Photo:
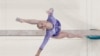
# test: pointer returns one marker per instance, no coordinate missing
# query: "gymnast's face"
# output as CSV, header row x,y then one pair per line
x,y
50,11
42,25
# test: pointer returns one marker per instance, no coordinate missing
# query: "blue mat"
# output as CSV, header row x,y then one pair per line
x,y
94,37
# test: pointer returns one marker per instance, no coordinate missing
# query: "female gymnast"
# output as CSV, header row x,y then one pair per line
x,y
52,27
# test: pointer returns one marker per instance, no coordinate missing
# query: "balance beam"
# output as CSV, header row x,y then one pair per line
x,y
41,32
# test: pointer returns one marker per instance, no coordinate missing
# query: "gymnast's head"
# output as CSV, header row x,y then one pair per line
x,y
50,11
42,25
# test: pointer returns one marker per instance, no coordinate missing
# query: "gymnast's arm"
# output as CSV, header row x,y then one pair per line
x,y
47,37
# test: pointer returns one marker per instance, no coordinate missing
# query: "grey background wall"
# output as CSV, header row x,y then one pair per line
x,y
73,14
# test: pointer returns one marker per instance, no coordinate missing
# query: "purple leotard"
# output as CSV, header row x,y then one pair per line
x,y
51,32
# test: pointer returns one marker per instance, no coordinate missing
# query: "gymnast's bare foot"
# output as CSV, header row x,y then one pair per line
x,y
20,20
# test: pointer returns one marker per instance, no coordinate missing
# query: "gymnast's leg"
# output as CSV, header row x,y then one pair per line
x,y
30,21
63,34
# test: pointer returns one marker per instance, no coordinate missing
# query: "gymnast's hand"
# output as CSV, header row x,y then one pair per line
x,y
20,20
36,55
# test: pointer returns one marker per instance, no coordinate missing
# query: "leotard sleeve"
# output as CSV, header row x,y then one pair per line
x,y
47,37
52,19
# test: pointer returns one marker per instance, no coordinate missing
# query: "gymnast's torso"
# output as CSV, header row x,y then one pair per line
x,y
51,32
56,25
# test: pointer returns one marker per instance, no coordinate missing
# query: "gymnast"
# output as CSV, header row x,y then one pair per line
x,y
52,27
